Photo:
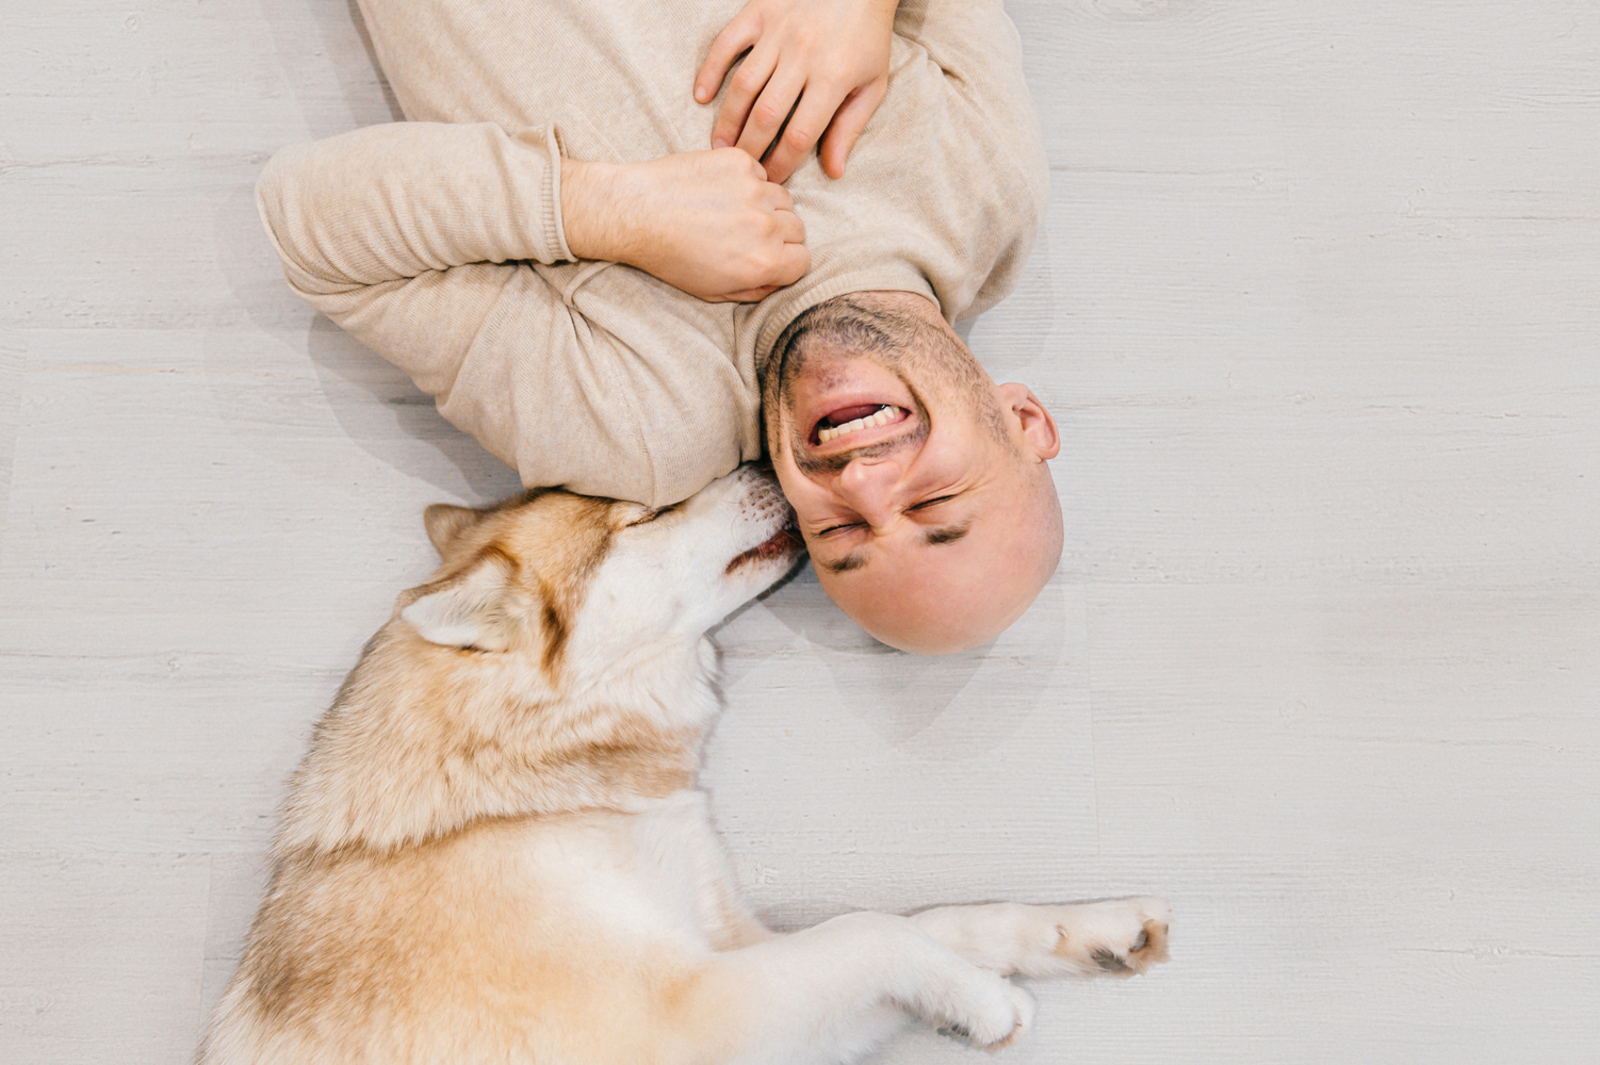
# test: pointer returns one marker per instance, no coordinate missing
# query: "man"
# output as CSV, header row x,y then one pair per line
x,y
549,250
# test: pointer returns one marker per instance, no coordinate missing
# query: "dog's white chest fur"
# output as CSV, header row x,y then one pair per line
x,y
657,874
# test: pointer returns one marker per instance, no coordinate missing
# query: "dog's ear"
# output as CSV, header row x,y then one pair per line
x,y
444,522
477,607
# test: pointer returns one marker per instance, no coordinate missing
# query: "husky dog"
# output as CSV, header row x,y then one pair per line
x,y
494,851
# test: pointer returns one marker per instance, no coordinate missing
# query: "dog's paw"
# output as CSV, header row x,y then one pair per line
x,y
1022,1005
1118,937
995,1017
1122,937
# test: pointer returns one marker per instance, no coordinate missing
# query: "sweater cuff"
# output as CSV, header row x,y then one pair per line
x,y
552,205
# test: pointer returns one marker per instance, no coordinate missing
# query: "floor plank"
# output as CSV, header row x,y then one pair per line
x,y
1316,307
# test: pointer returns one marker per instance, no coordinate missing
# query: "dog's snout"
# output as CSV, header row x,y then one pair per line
x,y
763,494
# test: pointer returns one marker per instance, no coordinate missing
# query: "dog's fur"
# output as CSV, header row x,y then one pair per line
x,y
494,852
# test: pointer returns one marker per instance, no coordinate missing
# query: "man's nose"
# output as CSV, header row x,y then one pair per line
x,y
867,486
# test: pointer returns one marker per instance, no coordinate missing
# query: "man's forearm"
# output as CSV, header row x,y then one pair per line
x,y
586,189
394,202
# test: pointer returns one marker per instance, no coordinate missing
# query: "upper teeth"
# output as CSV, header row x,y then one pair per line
x,y
883,416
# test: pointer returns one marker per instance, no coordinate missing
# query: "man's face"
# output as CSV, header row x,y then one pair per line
x,y
912,484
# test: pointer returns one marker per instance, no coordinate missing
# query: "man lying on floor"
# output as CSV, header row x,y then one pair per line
x,y
548,249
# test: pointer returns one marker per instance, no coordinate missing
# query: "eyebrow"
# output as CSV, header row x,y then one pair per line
x,y
854,560
947,534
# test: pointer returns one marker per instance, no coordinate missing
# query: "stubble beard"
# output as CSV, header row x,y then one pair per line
x,y
871,326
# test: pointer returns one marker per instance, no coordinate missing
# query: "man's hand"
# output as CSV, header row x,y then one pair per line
x,y
708,223
832,56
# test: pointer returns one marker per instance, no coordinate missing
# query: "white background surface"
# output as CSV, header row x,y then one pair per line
x,y
1317,311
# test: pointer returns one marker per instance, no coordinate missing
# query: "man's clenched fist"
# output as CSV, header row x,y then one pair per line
x,y
709,223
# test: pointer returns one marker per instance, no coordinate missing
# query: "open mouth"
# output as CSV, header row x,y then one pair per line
x,y
785,543
849,421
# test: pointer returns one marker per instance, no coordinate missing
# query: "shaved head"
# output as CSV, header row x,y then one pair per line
x,y
920,485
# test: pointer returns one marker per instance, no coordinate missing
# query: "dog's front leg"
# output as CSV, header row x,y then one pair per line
x,y
833,992
1118,936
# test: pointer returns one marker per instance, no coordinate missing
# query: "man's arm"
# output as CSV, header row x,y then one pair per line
x,y
392,202
709,223
417,238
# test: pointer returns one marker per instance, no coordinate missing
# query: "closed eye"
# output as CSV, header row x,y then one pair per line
x,y
651,515
935,501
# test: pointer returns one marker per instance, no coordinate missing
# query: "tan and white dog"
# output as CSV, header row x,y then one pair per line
x,y
494,851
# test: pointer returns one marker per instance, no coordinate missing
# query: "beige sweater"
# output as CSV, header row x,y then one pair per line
x,y
438,242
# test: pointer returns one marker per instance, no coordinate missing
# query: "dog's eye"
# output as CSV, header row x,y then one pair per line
x,y
651,515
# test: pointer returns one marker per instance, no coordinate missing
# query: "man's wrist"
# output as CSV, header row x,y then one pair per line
x,y
589,218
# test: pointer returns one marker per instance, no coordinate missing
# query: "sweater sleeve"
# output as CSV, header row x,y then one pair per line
x,y
391,202
439,246
989,110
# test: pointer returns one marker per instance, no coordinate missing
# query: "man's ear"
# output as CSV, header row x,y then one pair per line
x,y
1039,433
476,608
444,522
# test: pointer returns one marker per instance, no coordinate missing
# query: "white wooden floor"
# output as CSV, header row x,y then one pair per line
x,y
1319,312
